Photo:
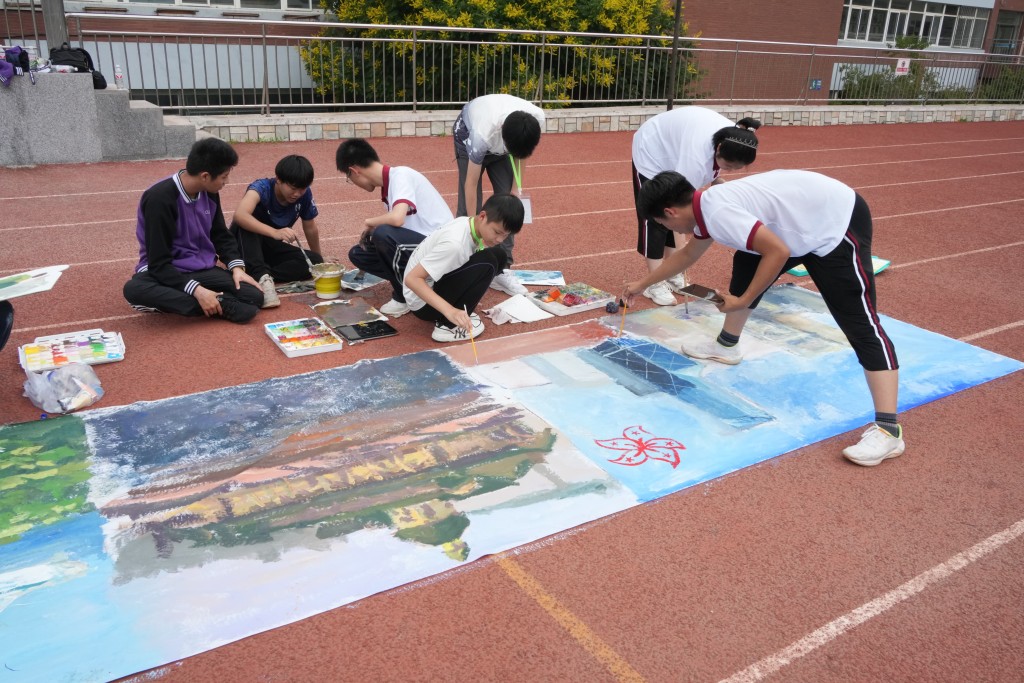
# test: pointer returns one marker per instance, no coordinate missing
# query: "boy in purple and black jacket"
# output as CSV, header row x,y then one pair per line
x,y
182,234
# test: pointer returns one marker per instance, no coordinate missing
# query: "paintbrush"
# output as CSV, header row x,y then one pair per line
x,y
622,305
476,359
305,256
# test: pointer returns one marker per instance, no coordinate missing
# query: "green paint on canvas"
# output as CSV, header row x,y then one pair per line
x,y
43,475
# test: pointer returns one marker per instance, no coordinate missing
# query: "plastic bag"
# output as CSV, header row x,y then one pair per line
x,y
67,388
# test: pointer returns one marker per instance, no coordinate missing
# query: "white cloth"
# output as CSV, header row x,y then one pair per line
x,y
428,211
440,253
483,117
679,140
809,211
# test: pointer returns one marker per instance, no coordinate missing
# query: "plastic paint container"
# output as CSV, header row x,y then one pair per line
x,y
327,278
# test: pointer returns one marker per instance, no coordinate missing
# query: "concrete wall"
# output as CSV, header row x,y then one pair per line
x,y
62,120
52,122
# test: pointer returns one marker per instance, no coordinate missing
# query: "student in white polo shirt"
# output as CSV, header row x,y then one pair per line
x,y
494,133
775,221
698,143
414,210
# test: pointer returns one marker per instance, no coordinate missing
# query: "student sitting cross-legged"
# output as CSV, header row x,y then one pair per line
x,y
450,271
263,222
414,209
182,235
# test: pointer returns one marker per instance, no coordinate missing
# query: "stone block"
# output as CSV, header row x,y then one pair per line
x,y
51,122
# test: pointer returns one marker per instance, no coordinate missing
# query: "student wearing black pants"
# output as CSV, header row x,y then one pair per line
x,y
776,220
449,272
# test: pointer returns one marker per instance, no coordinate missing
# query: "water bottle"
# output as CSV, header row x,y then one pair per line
x,y
118,77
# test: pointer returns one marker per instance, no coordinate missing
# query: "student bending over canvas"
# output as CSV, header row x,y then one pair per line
x,y
775,221
263,222
450,271
698,143
414,209
182,234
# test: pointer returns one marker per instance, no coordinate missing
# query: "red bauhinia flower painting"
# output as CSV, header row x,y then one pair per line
x,y
639,450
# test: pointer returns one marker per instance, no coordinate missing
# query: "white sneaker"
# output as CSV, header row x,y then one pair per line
x,y
660,294
507,282
875,445
270,298
395,309
676,283
455,334
710,349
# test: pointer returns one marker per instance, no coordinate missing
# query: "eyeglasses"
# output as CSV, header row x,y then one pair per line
x,y
348,176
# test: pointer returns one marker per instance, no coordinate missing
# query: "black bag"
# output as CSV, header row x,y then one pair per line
x,y
98,81
77,57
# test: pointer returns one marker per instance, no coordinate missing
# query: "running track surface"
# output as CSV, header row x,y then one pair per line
x,y
803,568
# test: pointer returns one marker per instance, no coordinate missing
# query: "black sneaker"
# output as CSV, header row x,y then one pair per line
x,y
235,310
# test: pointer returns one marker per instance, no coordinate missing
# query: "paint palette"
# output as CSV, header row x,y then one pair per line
x,y
91,347
574,298
303,337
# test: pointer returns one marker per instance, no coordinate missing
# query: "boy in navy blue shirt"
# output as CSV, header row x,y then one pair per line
x,y
263,222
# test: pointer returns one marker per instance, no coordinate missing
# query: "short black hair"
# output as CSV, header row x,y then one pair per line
x,y
506,209
521,133
211,155
737,144
295,170
666,189
355,152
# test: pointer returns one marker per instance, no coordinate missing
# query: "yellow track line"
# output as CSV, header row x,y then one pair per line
x,y
590,641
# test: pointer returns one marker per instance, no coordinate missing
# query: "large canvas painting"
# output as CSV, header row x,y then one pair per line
x,y
137,535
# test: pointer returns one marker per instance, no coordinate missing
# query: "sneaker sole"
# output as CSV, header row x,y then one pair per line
x,y
872,463
271,304
717,359
396,315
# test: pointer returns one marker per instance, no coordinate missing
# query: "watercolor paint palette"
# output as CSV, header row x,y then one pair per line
x,y
303,337
574,298
91,347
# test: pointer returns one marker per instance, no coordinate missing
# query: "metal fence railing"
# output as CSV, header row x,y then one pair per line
x,y
195,64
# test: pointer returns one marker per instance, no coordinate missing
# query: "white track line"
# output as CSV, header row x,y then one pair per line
x,y
832,630
956,255
992,330
591,163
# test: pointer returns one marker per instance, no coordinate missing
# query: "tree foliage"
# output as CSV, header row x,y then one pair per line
x,y
380,65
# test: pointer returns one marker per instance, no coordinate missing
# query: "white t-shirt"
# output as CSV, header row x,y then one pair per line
x,y
810,212
679,140
427,209
483,117
440,253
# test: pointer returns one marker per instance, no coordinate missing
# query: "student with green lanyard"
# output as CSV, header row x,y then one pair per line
x,y
449,272
495,133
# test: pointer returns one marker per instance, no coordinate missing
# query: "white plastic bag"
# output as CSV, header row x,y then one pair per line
x,y
67,388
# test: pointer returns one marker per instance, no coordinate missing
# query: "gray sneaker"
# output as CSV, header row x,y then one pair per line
x,y
270,298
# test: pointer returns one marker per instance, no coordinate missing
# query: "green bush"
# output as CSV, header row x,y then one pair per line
x,y
379,65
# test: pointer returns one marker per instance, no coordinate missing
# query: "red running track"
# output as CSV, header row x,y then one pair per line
x,y
802,568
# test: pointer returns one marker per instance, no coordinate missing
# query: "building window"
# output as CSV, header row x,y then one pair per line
x,y
941,24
